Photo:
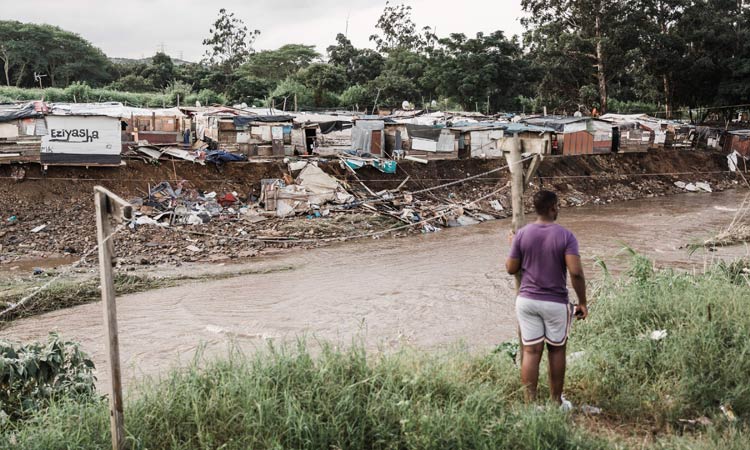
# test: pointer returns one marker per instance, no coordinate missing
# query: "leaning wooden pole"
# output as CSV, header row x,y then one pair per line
x,y
516,188
108,207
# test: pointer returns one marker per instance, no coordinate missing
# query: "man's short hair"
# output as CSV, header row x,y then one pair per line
x,y
544,201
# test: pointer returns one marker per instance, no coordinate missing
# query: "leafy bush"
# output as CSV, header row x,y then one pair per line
x,y
79,92
177,89
99,95
356,96
33,375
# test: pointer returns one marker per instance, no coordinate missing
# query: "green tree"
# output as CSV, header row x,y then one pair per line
x,y
475,71
281,63
61,56
230,43
249,89
574,35
160,71
132,83
398,31
357,97
361,65
322,78
288,89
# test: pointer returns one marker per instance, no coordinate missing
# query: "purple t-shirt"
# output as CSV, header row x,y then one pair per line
x,y
542,249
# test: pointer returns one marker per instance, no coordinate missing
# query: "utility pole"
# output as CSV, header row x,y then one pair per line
x,y
516,183
111,207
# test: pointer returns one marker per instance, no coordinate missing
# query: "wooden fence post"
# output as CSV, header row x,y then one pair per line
x,y
111,207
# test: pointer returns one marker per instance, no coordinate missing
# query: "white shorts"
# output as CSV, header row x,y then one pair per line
x,y
543,321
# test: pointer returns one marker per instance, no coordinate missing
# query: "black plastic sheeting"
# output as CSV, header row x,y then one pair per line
x,y
423,132
243,121
25,112
336,125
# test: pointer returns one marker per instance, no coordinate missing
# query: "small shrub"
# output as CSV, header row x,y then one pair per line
x,y
33,375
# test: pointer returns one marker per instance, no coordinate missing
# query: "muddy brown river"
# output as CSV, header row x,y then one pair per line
x,y
430,291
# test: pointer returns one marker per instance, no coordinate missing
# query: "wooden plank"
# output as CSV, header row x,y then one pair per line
x,y
103,231
116,206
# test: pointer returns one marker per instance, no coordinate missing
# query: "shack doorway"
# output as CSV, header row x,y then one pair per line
x,y
310,140
375,146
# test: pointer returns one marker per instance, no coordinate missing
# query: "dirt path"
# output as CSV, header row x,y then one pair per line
x,y
430,291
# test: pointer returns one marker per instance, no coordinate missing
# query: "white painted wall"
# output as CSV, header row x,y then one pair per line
x,y
86,135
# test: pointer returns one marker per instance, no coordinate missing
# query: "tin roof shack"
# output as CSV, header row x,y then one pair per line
x,y
665,133
368,135
738,141
81,140
423,141
578,135
321,133
155,126
630,137
252,135
708,138
21,131
491,140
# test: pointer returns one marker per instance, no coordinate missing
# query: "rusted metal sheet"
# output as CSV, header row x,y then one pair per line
x,y
738,142
578,143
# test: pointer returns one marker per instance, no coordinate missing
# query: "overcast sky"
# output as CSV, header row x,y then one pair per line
x,y
137,28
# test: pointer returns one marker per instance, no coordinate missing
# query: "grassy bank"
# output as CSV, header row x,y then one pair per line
x,y
644,382
72,292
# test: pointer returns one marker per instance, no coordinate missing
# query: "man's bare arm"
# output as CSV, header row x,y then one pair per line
x,y
578,280
512,265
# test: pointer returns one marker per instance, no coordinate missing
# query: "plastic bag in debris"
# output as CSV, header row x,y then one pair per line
x,y
704,186
146,220
227,199
220,157
163,189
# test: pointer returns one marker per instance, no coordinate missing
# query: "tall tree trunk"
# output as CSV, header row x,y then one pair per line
x,y
667,96
19,77
6,69
6,64
600,72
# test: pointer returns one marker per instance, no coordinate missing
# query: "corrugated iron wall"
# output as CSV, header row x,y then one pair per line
x,y
578,143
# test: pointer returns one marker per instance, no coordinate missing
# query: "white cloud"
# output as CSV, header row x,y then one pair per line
x,y
138,28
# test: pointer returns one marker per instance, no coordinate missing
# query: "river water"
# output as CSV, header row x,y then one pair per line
x,y
430,291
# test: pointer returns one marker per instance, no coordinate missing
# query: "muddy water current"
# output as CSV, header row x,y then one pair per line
x,y
430,291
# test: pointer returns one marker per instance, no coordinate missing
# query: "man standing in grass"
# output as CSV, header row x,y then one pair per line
x,y
544,252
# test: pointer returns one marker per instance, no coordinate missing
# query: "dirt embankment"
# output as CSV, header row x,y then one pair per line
x,y
62,200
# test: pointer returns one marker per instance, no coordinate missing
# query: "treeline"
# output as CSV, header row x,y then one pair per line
x,y
612,55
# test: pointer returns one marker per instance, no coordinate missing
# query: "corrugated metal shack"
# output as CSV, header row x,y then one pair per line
x,y
368,135
252,135
21,129
663,133
81,140
154,126
578,135
321,133
423,141
738,141
492,140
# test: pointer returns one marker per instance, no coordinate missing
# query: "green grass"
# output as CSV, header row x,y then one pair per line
x,y
292,397
702,363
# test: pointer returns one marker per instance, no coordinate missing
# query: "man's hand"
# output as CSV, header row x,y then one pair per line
x,y
581,312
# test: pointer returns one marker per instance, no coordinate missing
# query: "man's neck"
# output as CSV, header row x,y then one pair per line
x,y
541,220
